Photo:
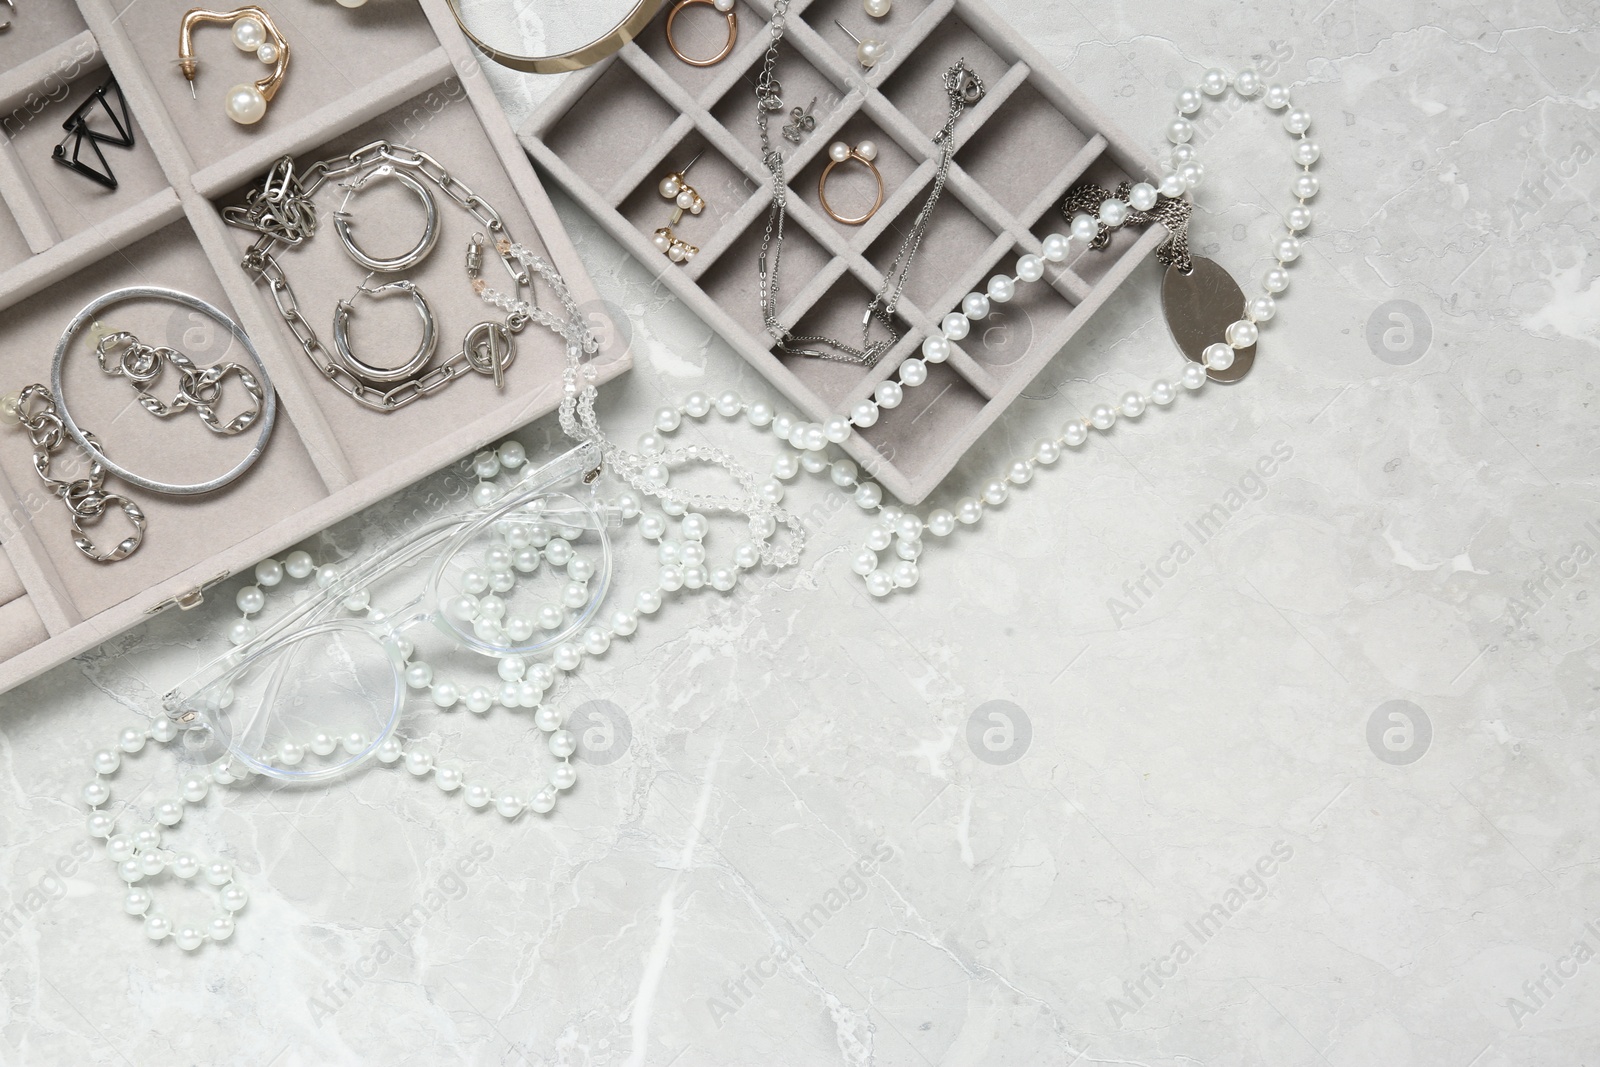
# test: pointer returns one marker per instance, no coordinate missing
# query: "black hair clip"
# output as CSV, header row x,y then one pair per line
x,y
78,131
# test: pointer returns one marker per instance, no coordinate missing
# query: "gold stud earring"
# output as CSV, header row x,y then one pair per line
x,y
253,31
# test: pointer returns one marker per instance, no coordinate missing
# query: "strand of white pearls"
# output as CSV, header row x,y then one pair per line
x,y
140,855
902,529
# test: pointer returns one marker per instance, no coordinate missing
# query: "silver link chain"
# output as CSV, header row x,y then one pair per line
x,y
282,210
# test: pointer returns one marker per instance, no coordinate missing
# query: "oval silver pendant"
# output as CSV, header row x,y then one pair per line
x,y
1200,306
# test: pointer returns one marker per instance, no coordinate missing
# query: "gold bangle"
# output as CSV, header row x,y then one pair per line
x,y
585,56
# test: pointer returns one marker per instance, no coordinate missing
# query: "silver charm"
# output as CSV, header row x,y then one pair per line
x,y
1199,307
368,371
407,260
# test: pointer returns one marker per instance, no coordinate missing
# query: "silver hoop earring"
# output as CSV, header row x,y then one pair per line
x,y
366,371
430,234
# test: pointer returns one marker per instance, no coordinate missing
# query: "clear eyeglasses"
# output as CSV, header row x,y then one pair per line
x,y
335,665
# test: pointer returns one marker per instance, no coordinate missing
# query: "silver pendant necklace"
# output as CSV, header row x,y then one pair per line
x,y
964,88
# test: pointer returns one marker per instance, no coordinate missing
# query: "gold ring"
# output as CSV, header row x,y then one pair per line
x,y
838,153
726,7
586,56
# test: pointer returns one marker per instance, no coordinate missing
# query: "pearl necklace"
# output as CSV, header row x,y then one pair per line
x,y
904,529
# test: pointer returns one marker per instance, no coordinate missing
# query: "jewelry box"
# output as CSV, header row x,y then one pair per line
x,y
610,134
395,70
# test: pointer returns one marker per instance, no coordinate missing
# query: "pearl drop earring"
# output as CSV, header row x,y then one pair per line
x,y
868,50
253,31
875,8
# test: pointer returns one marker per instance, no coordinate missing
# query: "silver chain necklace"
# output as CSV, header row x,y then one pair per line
x,y
964,88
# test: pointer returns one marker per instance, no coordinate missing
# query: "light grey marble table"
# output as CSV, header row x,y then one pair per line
x,y
1324,794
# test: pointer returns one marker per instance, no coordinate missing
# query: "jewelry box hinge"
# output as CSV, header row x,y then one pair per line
x,y
191,598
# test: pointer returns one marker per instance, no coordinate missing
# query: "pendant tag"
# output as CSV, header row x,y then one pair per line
x,y
1200,306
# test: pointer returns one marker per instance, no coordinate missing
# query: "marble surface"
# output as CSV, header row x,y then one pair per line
x,y
1324,795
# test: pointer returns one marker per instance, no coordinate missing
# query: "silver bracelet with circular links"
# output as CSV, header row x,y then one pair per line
x,y
123,355
34,410
282,211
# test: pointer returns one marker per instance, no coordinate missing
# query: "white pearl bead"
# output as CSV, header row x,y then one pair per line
x,y
995,492
1181,153
865,562
1242,334
869,52
1074,434
419,675
245,104
1179,131
137,901
106,761
391,750
867,150
941,522
1262,308
567,657
163,730
1275,280
783,424
1030,268
746,556
955,326
146,838
563,743
1001,289
935,349
234,897
1306,186
1214,82
100,824
697,405
1084,228
248,34
667,419
880,583
1288,249
596,641
509,805
96,793
1189,101
1298,218
648,601
445,694
913,372
838,151
1247,83
864,414
1132,405
299,564
1163,392
563,776
1113,213
968,511
876,8
130,739
130,871
1297,120
419,761
189,938
760,413
269,572
879,537
512,454
157,927
868,496
1218,357
975,306
905,574
728,404
888,394
1019,472
221,927
477,796
543,801
836,429
478,699
240,632
1143,196
1194,376
169,812
1056,247
1102,417
1191,173
1306,152
353,742
1171,186
219,872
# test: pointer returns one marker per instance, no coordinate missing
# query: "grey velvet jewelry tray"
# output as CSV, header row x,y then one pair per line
x,y
611,132
394,69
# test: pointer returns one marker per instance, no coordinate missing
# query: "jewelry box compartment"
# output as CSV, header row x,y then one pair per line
x,y
610,133
180,531
397,70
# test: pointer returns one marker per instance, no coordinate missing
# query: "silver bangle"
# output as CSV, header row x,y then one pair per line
x,y
269,402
